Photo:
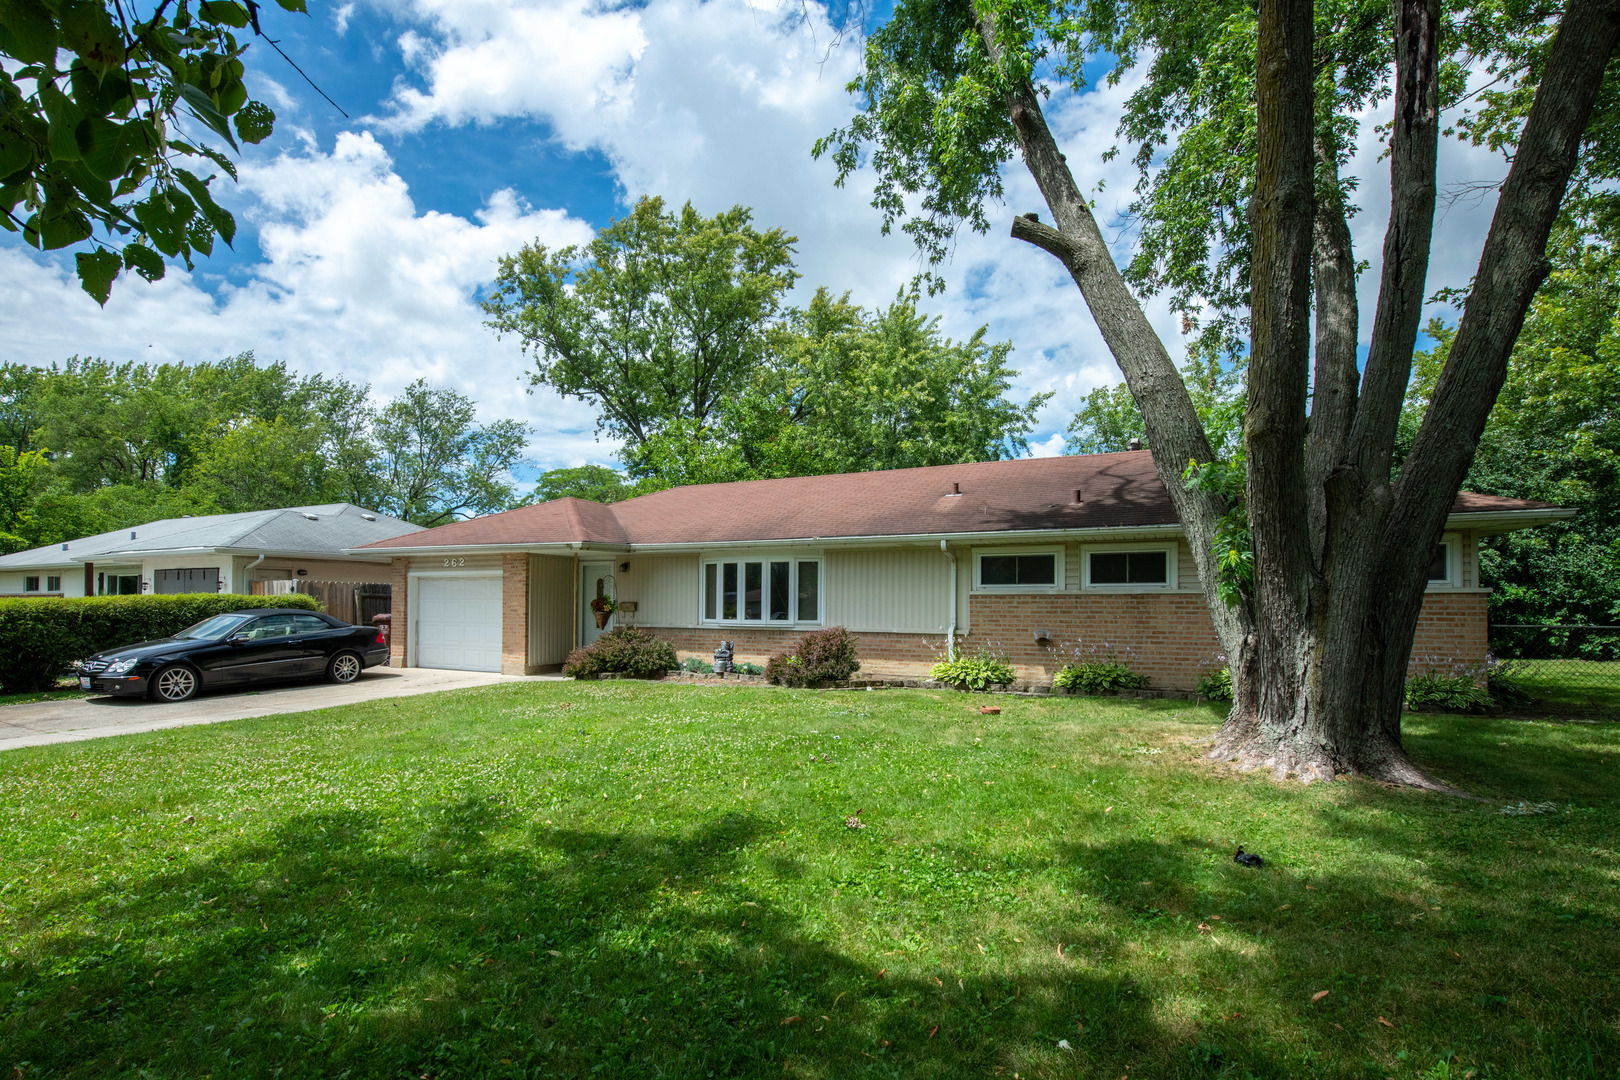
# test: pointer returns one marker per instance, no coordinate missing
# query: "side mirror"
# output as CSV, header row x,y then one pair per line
x,y
238,639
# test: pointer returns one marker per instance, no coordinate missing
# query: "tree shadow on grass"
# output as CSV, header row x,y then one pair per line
x,y
477,943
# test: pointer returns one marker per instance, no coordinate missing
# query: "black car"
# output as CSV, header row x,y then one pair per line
x,y
262,645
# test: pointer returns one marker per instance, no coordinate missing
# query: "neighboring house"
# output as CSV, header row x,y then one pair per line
x,y
1032,557
225,553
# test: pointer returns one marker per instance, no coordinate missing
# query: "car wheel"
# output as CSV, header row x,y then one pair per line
x,y
177,682
345,667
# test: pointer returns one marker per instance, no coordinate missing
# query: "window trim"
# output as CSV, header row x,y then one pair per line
x,y
1059,568
1452,542
1172,560
31,583
765,558
56,578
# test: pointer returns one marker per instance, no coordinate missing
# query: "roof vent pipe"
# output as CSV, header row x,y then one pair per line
x,y
132,534
1079,498
956,488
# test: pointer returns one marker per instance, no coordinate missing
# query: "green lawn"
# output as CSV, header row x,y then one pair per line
x,y
1572,687
638,880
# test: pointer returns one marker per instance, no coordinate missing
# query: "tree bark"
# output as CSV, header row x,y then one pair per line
x,y
1167,408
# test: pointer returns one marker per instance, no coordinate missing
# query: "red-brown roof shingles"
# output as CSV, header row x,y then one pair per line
x,y
1029,494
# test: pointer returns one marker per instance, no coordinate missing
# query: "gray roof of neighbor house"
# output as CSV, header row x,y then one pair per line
x,y
1027,495
328,529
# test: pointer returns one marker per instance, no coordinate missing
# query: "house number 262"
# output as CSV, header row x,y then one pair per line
x,y
455,562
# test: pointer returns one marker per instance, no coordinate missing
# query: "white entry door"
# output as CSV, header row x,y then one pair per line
x,y
595,579
458,622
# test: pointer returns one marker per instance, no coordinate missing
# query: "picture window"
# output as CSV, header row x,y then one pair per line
x,y
762,591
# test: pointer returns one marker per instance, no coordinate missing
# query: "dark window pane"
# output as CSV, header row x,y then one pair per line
x,y
1037,569
781,573
753,591
809,591
711,589
1148,568
998,570
728,606
30,584
1438,570
1110,568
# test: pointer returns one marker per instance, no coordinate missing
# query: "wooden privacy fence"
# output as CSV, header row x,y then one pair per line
x,y
354,601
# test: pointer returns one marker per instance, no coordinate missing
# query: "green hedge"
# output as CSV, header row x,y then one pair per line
x,y
39,638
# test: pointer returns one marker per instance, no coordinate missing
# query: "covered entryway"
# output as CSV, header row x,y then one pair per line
x,y
458,622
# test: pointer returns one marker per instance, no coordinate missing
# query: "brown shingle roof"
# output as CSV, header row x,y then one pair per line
x,y
1028,494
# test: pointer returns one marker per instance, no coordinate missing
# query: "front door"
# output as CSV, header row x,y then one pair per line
x,y
595,579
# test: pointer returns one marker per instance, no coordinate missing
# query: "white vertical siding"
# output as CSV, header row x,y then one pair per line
x,y
551,609
902,590
1187,579
664,588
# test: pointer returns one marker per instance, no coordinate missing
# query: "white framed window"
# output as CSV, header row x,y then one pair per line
x,y
1129,567
53,583
1445,567
1018,569
31,584
765,589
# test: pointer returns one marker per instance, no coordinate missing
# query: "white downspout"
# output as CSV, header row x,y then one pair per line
x,y
950,636
247,572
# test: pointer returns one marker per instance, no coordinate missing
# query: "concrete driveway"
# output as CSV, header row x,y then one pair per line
x,y
47,722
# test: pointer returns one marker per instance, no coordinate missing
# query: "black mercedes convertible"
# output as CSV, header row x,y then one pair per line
x,y
243,647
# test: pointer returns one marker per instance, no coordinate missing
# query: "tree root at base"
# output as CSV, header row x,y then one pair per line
x,y
1249,750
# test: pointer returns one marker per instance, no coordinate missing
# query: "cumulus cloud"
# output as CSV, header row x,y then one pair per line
x,y
354,280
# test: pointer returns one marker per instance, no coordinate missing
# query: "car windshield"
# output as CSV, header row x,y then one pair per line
x,y
213,629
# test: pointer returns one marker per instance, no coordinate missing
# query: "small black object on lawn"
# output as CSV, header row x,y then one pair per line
x,y
1243,858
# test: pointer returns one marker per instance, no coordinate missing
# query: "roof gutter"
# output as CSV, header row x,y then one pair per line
x,y
1512,519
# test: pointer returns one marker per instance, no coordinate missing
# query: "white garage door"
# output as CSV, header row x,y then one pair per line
x,y
458,623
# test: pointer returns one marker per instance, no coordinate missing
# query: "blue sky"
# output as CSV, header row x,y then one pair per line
x,y
475,126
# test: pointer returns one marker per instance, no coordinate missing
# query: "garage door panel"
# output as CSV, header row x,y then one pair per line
x,y
458,623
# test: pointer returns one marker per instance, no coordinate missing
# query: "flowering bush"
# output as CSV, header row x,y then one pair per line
x,y
822,657
1098,669
625,650
978,672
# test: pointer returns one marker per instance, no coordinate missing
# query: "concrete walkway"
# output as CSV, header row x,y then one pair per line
x,y
45,722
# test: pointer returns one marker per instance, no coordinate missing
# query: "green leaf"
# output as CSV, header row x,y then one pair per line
x,y
64,231
144,261
293,5
102,147
254,122
208,152
87,29
202,107
28,31
97,269
200,235
220,218
158,219
224,11
16,148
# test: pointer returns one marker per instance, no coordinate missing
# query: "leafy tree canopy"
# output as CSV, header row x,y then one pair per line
x,y
107,120
596,483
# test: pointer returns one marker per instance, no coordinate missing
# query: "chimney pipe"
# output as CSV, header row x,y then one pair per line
x,y
956,488
1078,498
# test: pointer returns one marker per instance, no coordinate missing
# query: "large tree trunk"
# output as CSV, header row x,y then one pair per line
x,y
1338,632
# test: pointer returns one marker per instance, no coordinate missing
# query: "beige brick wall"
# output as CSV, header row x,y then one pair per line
x,y
1452,626
399,618
515,615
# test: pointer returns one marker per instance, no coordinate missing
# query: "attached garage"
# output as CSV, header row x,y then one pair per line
x,y
458,622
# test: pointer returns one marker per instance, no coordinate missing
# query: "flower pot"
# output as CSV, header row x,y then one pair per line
x,y
601,618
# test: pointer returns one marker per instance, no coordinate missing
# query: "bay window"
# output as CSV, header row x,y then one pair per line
x,y
762,590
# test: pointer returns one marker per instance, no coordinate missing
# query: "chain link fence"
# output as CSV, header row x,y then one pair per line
x,y
1572,669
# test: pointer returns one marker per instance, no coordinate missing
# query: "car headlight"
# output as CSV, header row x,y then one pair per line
x,y
118,667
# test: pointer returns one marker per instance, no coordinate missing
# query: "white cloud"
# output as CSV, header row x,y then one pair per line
x,y
355,280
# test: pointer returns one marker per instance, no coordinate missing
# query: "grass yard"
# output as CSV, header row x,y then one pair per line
x,y
1571,687
639,880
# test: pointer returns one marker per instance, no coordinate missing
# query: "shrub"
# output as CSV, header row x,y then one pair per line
x,y
1099,669
623,650
1437,692
743,667
822,657
978,672
39,638
1449,686
1215,684
697,665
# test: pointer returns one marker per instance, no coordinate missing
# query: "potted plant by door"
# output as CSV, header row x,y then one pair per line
x,y
602,608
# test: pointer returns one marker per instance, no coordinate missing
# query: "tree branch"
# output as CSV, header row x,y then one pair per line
x,y
1414,150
